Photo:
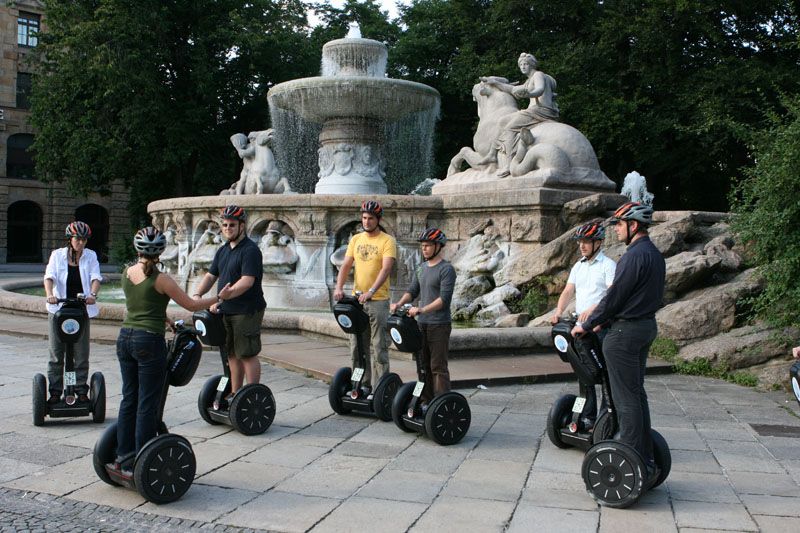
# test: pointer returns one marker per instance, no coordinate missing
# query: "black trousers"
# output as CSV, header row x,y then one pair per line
x,y
626,347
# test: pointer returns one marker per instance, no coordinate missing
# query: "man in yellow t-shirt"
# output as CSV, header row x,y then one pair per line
x,y
373,253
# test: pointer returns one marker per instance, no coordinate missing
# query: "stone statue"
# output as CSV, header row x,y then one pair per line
x,y
205,247
529,143
169,258
278,248
337,257
260,174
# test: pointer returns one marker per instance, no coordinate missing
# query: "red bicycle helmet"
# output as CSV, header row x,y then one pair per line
x,y
78,229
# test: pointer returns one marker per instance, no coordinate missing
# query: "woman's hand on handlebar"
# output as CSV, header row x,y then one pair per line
x,y
577,331
52,300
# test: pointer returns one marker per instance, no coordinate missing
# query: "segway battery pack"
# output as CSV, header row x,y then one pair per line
x,y
183,357
583,354
210,327
405,333
350,315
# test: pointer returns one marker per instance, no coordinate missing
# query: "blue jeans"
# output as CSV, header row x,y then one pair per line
x,y
143,364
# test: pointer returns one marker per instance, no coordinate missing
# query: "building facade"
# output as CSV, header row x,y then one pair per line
x,y
33,214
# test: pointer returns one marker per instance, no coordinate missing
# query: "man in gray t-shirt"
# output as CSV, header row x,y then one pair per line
x,y
433,282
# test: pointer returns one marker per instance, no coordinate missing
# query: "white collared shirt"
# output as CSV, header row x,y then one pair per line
x,y
591,279
58,268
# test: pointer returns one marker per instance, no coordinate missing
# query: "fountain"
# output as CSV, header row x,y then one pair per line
x,y
355,110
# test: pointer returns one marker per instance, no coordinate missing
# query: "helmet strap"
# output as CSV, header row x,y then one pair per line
x,y
594,250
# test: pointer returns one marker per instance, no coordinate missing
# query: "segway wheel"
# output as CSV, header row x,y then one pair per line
x,y
252,409
340,384
558,418
614,474
98,393
383,395
448,418
39,399
662,456
604,428
206,398
164,468
400,404
104,450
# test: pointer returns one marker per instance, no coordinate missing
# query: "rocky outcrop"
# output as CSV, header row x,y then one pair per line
x,y
706,312
547,260
740,347
688,269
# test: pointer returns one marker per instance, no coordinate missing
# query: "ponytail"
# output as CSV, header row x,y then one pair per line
x,y
149,265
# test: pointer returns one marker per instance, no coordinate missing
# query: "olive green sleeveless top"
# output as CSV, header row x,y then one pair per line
x,y
147,308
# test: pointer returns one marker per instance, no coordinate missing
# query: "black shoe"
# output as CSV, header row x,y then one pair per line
x,y
653,473
117,468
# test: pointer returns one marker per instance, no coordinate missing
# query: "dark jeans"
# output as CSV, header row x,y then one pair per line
x,y
435,347
143,363
625,348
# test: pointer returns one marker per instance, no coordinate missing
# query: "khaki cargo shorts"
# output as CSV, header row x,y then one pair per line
x,y
243,334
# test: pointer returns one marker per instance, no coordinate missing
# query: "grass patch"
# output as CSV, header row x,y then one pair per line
x,y
534,299
664,348
704,367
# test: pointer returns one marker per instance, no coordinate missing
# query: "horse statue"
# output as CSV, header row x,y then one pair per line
x,y
554,147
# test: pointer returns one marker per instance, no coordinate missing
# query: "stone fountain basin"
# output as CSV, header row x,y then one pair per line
x,y
323,98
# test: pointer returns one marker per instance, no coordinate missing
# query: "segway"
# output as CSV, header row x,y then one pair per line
x,y
346,393
252,410
446,419
613,472
70,321
570,422
794,374
163,470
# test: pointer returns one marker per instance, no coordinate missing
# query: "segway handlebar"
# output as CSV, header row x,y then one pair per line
x,y
81,298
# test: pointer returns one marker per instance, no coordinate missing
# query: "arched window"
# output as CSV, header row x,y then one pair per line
x,y
97,218
20,157
24,232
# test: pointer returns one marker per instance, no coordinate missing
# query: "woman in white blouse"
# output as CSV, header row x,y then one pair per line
x,y
70,271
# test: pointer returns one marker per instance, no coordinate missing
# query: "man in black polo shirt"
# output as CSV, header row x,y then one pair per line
x,y
238,262
630,307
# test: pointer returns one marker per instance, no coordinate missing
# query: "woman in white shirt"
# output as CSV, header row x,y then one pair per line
x,y
71,270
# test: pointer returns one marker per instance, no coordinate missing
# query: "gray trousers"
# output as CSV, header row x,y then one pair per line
x,y
626,347
55,367
375,342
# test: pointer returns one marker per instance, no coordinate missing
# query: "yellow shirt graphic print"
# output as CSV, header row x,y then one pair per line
x,y
368,254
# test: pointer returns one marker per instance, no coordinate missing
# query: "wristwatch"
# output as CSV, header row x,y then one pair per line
x,y
94,294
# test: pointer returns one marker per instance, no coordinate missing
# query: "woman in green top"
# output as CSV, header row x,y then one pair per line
x,y
141,348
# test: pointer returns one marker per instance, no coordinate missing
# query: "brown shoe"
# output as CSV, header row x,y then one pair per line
x,y
83,398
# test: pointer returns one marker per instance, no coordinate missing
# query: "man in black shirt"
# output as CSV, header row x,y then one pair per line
x,y
239,263
630,307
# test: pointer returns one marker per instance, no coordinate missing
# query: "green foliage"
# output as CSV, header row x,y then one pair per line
x,y
767,213
122,252
704,367
149,92
664,348
670,88
534,299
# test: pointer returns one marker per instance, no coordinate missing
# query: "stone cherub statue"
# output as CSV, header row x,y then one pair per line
x,y
278,248
260,174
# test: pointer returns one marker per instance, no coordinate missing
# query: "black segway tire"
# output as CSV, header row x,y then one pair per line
x,y
164,468
206,398
400,404
340,384
614,474
104,450
604,428
448,418
558,418
39,399
662,456
383,395
252,409
97,389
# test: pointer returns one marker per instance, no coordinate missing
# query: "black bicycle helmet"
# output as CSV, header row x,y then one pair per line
x,y
372,207
78,229
633,211
149,241
434,235
593,231
233,212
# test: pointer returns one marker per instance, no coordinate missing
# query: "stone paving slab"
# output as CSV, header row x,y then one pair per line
x,y
314,470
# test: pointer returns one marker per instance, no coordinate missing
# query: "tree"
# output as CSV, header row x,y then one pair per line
x,y
767,214
149,92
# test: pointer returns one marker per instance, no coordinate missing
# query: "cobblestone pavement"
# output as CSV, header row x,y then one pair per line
x,y
316,471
